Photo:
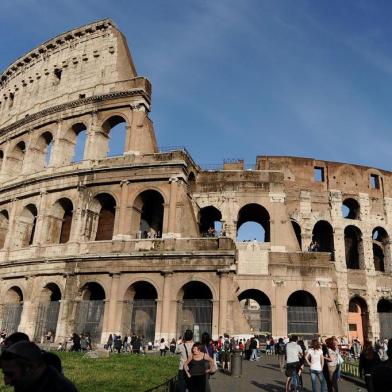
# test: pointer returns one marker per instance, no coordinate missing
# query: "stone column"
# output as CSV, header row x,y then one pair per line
x,y
77,229
166,302
122,231
66,318
28,317
223,282
12,225
113,310
280,315
41,229
171,220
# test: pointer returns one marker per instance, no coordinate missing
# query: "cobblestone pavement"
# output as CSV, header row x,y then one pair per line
x,y
264,375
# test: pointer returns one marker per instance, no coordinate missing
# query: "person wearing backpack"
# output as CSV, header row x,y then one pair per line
x,y
184,348
226,353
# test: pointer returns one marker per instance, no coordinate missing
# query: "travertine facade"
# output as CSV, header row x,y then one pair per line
x,y
106,245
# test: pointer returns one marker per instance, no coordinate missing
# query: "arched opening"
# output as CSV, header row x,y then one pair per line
x,y
24,235
210,221
148,210
381,249
78,136
1,159
253,223
256,308
43,151
12,310
106,217
297,232
47,312
384,309
89,311
323,235
350,209
15,159
302,314
115,127
60,222
353,247
358,319
139,312
194,309
4,224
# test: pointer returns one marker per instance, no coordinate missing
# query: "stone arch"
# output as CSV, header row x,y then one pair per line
x,y
15,158
384,310
351,208
298,232
191,182
115,128
40,152
302,316
358,319
348,177
25,231
47,312
209,221
11,310
90,310
353,247
256,307
323,234
195,308
140,309
4,225
101,217
60,221
148,211
75,143
255,213
1,160
381,249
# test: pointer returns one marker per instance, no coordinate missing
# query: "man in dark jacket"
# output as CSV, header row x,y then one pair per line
x,y
24,368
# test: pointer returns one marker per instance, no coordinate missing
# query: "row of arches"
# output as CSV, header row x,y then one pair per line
x,y
100,218
139,311
71,147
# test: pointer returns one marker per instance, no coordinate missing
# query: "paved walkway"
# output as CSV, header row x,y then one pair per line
x,y
264,375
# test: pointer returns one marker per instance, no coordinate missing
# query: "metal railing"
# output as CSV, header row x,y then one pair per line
x,y
167,386
350,368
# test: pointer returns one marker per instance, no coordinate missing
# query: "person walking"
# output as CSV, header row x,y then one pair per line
x,y
293,354
163,347
368,360
109,344
197,367
253,348
281,351
226,353
184,348
315,359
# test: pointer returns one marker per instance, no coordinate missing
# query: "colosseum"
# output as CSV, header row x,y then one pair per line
x,y
147,240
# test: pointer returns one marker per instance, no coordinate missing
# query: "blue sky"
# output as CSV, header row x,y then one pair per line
x,y
236,79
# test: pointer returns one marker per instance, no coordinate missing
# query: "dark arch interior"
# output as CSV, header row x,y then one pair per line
x,y
350,209
384,306
297,231
21,146
255,213
208,216
196,290
144,290
112,122
106,217
301,298
355,303
53,292
352,240
323,234
257,295
151,218
93,291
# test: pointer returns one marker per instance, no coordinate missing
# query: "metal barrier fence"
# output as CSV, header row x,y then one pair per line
x,y
167,386
350,368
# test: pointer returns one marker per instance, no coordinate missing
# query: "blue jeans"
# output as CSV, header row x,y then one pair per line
x,y
253,357
318,375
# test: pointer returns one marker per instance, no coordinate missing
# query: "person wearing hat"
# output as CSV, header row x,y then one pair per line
x,y
25,369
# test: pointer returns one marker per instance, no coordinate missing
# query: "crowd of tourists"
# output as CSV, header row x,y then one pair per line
x,y
27,368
